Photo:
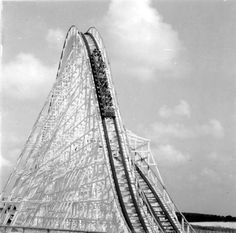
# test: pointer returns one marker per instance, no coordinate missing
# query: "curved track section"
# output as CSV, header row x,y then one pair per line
x,y
152,202
120,172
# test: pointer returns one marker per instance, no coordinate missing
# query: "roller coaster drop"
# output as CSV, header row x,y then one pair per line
x,y
80,170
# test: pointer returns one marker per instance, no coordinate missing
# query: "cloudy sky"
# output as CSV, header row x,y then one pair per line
x,y
173,65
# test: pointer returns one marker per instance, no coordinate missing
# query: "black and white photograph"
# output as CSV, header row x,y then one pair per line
x,y
118,116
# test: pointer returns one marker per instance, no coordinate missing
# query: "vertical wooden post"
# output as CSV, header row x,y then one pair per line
x,y
182,223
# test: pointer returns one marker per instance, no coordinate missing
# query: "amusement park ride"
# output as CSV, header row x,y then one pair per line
x,y
80,169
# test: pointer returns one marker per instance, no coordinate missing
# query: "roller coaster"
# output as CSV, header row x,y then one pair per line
x,y
80,169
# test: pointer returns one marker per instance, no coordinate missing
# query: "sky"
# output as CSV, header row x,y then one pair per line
x,y
173,66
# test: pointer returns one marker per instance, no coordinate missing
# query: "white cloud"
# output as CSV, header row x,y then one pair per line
x,y
165,131
142,39
26,77
4,162
181,109
210,173
213,156
170,155
55,38
159,130
213,128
